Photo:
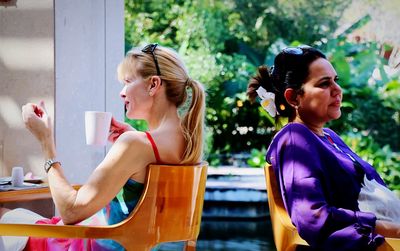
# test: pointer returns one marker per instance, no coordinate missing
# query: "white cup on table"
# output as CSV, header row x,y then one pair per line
x,y
17,176
97,127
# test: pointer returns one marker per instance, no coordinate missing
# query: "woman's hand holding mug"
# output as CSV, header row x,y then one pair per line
x,y
117,128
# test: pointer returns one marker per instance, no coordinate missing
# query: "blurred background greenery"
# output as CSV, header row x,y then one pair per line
x,y
223,42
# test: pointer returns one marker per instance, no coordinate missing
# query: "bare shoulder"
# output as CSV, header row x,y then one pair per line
x,y
136,144
133,138
133,151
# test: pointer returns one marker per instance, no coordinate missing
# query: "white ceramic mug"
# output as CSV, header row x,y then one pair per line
x,y
97,127
17,176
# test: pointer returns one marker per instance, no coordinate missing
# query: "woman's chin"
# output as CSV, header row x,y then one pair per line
x,y
130,116
133,116
336,115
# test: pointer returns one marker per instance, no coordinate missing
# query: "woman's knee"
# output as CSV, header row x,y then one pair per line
x,y
3,210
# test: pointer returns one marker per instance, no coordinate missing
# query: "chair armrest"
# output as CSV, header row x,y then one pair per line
x,y
54,231
390,244
169,209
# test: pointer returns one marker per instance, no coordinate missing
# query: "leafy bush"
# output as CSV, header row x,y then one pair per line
x,y
257,158
223,42
222,47
385,161
370,95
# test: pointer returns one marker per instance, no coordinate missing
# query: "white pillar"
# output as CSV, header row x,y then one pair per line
x,y
89,44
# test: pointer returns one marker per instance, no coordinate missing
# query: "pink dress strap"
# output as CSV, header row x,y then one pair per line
x,y
154,146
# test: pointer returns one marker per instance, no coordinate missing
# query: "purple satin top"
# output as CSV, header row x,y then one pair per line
x,y
320,184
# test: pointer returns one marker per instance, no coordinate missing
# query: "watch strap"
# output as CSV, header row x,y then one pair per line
x,y
49,163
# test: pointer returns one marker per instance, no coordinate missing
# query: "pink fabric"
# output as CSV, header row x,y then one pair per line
x,y
56,244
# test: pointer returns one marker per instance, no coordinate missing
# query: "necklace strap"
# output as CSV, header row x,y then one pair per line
x,y
360,171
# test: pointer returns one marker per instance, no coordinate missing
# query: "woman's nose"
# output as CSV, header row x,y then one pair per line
x,y
122,93
336,89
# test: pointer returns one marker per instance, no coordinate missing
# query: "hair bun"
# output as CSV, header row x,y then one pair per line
x,y
261,79
263,71
264,78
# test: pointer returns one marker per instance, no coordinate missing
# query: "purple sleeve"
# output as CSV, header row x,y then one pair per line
x,y
301,170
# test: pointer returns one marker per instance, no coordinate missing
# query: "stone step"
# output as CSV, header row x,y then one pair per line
x,y
235,193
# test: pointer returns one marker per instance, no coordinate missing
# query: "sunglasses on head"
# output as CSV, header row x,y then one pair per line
x,y
295,50
149,49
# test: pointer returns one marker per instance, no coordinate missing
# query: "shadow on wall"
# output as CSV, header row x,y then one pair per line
x,y
27,75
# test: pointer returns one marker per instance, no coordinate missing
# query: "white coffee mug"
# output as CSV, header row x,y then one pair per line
x,y
17,176
97,127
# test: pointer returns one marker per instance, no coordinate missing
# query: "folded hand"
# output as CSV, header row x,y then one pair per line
x,y
38,121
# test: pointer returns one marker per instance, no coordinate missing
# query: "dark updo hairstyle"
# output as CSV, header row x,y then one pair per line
x,y
290,70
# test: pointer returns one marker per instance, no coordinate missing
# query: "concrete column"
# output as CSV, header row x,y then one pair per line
x,y
89,44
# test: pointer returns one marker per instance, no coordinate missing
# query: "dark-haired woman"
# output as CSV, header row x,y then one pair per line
x,y
320,177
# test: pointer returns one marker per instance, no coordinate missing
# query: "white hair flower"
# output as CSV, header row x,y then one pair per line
x,y
267,101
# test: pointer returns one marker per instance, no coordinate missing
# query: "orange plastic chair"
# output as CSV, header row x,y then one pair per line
x,y
169,211
390,244
286,236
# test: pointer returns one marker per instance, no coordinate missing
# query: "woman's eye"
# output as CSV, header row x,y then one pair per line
x,y
128,81
324,84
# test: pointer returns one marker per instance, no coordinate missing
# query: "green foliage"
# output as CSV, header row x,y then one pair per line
x,y
261,23
385,161
371,99
139,125
222,43
257,158
370,114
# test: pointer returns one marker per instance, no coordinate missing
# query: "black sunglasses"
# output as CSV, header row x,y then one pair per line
x,y
295,50
150,48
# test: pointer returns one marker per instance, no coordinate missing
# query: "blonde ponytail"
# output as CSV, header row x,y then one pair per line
x,y
193,124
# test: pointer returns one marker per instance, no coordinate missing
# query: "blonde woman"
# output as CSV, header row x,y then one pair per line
x,y
155,84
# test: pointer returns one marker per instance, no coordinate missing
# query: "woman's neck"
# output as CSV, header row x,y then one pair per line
x,y
168,114
315,128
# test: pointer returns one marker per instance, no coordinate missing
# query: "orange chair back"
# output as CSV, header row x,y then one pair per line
x,y
286,236
169,210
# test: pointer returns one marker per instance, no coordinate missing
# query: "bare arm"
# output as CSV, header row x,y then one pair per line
x,y
128,157
387,229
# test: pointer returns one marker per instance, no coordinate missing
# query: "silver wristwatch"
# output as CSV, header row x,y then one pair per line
x,y
49,163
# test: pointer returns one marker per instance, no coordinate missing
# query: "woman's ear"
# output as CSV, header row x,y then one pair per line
x,y
155,84
291,97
